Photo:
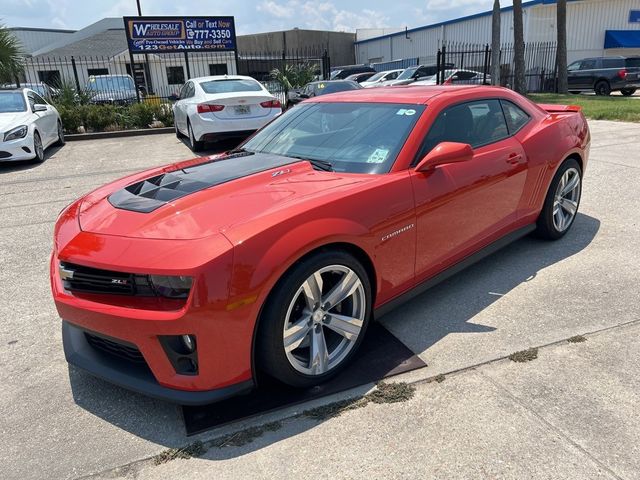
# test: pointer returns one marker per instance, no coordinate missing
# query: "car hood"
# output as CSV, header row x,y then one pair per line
x,y
11,120
202,197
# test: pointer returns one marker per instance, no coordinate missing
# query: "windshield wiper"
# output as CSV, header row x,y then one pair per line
x,y
316,163
239,152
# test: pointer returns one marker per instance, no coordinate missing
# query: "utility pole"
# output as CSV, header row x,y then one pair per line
x,y
495,43
561,55
146,58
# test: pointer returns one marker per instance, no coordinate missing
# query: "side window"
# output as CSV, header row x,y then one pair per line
x,y
515,116
392,76
476,123
191,90
39,100
183,91
575,66
588,64
32,100
612,63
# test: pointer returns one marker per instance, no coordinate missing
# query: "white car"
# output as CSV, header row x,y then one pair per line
x,y
28,125
380,77
222,106
458,77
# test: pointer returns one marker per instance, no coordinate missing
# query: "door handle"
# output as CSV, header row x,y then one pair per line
x,y
514,158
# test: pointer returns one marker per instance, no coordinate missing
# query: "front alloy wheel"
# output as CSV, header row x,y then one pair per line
x,y
314,319
324,320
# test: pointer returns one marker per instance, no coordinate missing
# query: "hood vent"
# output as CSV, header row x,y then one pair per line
x,y
148,195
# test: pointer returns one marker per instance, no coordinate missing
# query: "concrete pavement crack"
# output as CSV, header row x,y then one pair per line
x,y
557,430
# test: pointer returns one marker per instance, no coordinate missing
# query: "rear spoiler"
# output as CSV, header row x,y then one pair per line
x,y
560,108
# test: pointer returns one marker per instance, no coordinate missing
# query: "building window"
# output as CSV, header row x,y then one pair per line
x,y
218,69
175,75
97,71
50,77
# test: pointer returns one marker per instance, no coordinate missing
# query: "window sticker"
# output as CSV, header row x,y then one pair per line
x,y
406,111
379,156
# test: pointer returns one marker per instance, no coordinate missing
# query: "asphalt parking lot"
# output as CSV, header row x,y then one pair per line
x,y
570,413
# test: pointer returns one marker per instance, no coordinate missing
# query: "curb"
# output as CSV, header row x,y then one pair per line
x,y
120,133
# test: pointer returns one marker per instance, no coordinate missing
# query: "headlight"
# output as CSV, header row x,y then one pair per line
x,y
18,132
171,287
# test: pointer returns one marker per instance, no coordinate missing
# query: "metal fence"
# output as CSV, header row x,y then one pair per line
x,y
112,80
540,63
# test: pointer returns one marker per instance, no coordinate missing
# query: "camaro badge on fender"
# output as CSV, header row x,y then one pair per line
x,y
397,232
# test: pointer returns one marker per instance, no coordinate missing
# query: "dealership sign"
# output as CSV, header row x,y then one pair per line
x,y
180,34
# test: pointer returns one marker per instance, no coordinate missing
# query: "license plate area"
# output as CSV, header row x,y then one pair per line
x,y
242,109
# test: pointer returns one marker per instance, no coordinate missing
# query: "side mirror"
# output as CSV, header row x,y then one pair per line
x,y
443,153
39,108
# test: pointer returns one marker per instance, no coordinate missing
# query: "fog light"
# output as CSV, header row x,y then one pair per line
x,y
189,342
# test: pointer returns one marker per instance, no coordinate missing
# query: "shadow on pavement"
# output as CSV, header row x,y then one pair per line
x,y
17,166
446,308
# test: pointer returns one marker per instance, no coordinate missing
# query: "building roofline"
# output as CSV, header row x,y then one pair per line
x,y
531,3
38,29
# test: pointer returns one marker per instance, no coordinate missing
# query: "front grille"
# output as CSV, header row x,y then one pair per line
x,y
92,280
125,351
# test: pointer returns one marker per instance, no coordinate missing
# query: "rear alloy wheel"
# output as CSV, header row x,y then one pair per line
x,y
60,141
627,92
603,88
193,143
315,319
562,202
38,148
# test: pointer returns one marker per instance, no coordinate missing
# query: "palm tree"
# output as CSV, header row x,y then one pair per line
x,y
561,55
11,59
495,44
520,82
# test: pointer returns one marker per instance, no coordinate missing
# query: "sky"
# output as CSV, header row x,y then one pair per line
x,y
251,16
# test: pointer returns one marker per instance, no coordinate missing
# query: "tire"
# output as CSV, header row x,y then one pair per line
x,y
60,142
603,88
290,312
627,92
175,126
557,216
193,143
38,148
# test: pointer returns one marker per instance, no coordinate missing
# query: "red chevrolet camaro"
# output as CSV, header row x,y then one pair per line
x,y
181,282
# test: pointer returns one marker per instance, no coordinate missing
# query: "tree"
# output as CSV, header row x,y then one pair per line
x,y
520,82
561,55
11,59
495,44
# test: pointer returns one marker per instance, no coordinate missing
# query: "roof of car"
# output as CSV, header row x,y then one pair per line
x,y
397,94
221,77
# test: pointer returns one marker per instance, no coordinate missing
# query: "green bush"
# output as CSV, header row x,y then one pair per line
x,y
71,118
99,118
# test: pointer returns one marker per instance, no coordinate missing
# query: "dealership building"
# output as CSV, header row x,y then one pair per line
x,y
594,28
101,49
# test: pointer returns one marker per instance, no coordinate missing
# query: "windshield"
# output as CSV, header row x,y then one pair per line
x,y
376,77
407,73
352,137
12,102
333,87
111,84
230,86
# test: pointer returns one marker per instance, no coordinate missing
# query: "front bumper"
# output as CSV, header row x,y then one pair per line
x,y
19,149
137,378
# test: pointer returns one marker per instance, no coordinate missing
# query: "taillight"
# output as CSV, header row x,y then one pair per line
x,y
271,104
207,107
622,74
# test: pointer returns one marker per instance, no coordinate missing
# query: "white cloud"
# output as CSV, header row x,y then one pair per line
x,y
322,15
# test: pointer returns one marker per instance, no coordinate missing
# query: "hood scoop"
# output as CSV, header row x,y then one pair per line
x,y
148,195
